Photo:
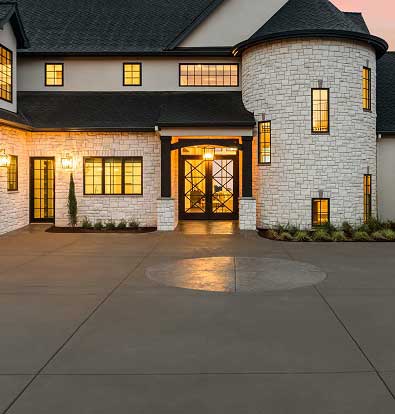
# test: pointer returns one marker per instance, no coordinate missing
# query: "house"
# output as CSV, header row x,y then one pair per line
x,y
259,111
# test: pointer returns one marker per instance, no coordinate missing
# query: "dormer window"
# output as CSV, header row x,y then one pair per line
x,y
132,74
54,74
5,74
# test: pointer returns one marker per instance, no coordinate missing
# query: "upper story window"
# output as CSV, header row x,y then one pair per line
x,y
6,74
192,74
320,211
54,74
367,89
320,111
12,174
132,74
264,142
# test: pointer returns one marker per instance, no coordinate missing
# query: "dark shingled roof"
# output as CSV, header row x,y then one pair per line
x,y
386,93
132,111
313,18
358,19
9,13
109,26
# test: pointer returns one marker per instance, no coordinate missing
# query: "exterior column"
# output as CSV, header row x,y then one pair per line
x,y
166,206
247,204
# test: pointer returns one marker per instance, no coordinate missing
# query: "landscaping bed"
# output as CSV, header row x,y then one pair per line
x,y
372,231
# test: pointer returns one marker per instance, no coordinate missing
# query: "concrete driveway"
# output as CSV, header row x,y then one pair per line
x,y
83,329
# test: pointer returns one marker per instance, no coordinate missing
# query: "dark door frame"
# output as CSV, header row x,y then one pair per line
x,y
31,186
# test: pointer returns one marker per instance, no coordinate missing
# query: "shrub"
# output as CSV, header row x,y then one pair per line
x,y
72,203
389,234
98,225
285,236
374,225
361,236
322,235
272,234
302,236
86,223
110,225
134,224
122,225
379,236
292,230
329,228
347,229
363,228
339,236
278,228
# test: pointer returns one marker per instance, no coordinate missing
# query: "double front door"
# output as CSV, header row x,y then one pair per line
x,y
209,188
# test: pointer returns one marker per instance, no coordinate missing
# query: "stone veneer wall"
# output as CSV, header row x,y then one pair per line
x,y
277,78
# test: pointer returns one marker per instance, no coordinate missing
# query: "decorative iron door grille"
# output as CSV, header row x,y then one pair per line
x,y
209,189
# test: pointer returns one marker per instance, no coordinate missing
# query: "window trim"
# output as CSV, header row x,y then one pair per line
x,y
45,74
12,75
369,109
367,198
312,211
213,64
16,176
259,143
141,73
312,112
123,159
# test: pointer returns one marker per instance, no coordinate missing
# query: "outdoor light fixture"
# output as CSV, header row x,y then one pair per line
x,y
208,154
67,162
5,159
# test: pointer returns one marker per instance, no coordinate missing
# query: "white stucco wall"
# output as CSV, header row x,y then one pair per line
x,y
277,80
7,39
386,177
106,74
232,22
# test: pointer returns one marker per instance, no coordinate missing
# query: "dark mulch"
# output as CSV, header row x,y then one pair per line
x,y
54,229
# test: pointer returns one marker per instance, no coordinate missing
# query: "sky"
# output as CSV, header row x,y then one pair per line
x,y
379,15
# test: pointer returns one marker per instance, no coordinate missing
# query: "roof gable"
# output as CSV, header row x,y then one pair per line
x,y
9,13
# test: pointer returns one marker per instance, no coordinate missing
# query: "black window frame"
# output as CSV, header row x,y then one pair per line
x,y
11,100
312,112
103,183
369,99
367,197
45,74
313,200
12,188
141,74
209,64
260,162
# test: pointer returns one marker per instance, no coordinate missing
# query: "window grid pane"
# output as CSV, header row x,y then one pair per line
x,y
264,144
93,174
132,74
320,211
54,74
113,176
133,177
209,75
366,89
367,197
320,110
12,174
5,74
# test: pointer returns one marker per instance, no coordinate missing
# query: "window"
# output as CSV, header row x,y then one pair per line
x,y
320,210
366,89
264,142
12,174
320,111
209,74
367,197
6,74
54,74
113,176
132,74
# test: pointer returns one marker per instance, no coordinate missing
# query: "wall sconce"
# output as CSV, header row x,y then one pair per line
x,y
67,162
208,154
5,159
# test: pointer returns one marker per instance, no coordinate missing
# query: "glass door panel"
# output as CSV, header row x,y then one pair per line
x,y
195,186
223,186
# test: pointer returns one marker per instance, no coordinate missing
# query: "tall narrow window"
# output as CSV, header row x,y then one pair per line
x,y
367,197
264,142
367,89
113,176
54,74
12,174
5,74
132,74
320,111
210,74
320,211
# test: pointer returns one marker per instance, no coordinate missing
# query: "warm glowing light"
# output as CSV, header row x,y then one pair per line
x,y
208,154
67,162
5,159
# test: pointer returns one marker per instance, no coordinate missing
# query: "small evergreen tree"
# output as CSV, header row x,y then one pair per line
x,y
72,203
